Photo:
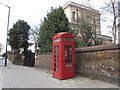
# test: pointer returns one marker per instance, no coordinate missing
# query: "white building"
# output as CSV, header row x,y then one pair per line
x,y
75,12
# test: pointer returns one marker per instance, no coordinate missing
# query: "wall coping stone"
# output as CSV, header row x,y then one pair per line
x,y
98,48
92,48
45,53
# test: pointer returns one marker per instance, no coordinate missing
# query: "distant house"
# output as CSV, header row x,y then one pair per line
x,y
76,12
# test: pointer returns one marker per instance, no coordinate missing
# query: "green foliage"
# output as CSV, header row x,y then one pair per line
x,y
86,32
93,77
78,43
55,22
18,35
98,42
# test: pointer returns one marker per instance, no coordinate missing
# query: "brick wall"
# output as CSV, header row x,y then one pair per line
x,y
15,58
45,60
98,61
20,59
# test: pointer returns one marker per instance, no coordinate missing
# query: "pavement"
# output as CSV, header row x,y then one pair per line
x,y
15,76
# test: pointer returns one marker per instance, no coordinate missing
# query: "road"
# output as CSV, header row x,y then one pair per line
x,y
15,76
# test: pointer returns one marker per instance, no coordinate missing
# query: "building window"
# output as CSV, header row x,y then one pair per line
x,y
88,19
73,15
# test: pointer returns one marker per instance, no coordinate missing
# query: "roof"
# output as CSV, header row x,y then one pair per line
x,y
80,6
63,34
104,37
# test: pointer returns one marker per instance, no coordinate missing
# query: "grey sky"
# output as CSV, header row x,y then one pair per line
x,y
32,11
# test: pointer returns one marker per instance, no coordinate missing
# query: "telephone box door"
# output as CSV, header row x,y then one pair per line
x,y
57,65
68,62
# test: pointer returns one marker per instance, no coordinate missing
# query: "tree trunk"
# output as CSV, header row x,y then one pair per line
x,y
114,29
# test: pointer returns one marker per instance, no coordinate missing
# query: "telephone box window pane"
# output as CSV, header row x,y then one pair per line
x,y
58,61
65,47
54,69
68,65
65,51
65,60
65,55
56,58
71,57
68,55
55,65
68,51
70,48
55,48
68,60
65,65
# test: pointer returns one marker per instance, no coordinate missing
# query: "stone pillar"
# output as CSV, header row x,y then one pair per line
x,y
13,57
36,59
23,56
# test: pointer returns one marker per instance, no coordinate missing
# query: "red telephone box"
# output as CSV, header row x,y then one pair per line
x,y
63,56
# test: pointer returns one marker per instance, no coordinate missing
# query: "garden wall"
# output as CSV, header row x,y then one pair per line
x,y
97,61
45,60
20,59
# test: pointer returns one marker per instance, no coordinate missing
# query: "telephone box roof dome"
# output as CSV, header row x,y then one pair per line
x,y
64,35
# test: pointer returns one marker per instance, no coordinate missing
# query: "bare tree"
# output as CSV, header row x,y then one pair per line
x,y
118,21
34,34
1,47
111,7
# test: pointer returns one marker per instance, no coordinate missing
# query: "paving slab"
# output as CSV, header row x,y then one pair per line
x,y
15,76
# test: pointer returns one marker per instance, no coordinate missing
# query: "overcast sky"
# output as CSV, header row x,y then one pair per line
x,y
32,11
